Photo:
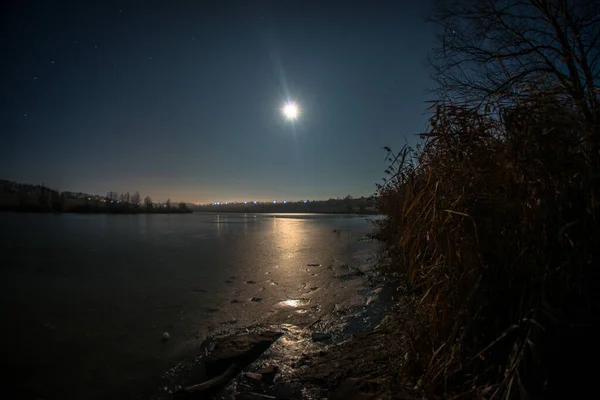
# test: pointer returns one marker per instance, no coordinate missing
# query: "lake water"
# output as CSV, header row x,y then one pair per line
x,y
86,298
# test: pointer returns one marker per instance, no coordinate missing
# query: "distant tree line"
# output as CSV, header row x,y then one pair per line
x,y
346,205
16,196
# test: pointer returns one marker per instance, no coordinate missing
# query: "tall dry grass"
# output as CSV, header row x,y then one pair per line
x,y
493,221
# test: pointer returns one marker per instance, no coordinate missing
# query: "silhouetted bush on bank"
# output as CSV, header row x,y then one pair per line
x,y
494,222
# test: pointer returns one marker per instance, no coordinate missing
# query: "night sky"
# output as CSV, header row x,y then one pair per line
x,y
183,99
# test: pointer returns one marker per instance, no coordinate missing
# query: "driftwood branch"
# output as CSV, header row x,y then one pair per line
x,y
212,384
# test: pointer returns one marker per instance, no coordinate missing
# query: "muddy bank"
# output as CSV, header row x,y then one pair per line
x,y
323,354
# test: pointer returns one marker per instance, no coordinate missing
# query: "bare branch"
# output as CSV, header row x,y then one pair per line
x,y
493,49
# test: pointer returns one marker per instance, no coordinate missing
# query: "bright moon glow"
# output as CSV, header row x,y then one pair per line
x,y
290,110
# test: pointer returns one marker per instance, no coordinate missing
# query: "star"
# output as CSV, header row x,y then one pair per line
x,y
52,61
24,115
35,78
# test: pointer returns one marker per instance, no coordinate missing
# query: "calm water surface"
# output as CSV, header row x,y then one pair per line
x,y
85,298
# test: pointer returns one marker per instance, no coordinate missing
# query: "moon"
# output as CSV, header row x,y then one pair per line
x,y
290,110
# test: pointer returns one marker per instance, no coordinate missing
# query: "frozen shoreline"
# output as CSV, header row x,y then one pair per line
x,y
297,346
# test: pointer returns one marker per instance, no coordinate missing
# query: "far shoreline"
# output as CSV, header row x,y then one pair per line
x,y
86,210
145,212
289,212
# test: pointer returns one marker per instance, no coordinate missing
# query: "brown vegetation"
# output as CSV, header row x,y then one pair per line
x,y
494,218
494,223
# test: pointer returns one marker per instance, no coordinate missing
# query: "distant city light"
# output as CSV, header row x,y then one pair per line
x,y
284,202
117,201
255,202
304,201
226,203
245,202
274,201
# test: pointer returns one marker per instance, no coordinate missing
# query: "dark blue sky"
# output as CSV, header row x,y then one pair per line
x,y
182,99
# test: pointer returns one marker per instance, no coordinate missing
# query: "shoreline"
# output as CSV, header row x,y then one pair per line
x,y
287,212
36,210
134,211
305,367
